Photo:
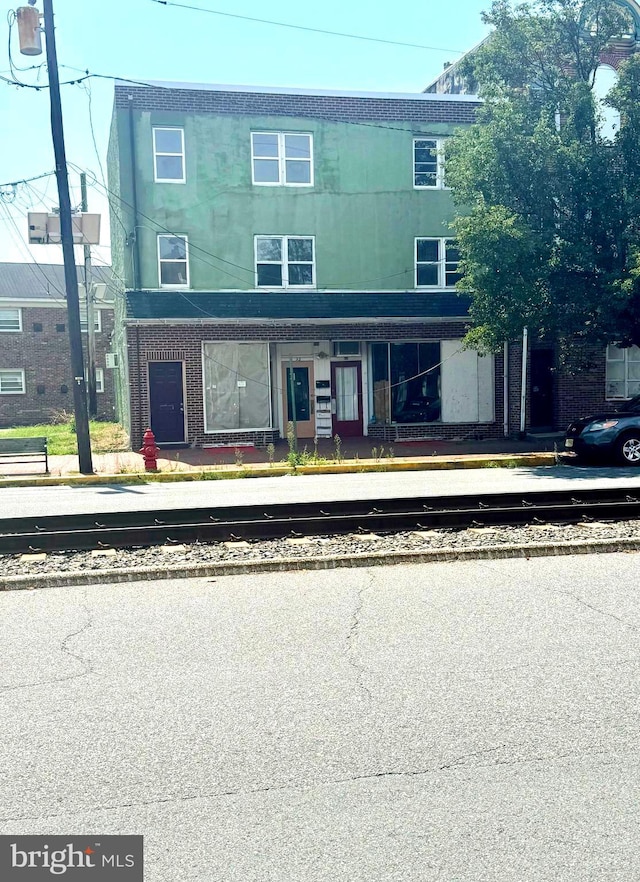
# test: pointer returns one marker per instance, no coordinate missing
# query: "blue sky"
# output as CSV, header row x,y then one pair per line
x,y
141,39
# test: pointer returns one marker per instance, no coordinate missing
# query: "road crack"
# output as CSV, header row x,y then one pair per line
x,y
63,647
353,636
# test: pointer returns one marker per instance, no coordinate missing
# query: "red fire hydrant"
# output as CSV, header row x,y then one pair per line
x,y
150,451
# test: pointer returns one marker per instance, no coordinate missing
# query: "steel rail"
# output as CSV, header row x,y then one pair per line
x,y
255,522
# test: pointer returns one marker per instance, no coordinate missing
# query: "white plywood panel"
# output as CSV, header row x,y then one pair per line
x,y
467,384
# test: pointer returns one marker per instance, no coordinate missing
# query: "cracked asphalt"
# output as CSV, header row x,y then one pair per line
x,y
454,722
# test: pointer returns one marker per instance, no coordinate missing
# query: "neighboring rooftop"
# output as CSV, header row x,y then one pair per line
x,y
41,281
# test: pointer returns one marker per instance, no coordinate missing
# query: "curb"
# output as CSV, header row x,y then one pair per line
x,y
460,461
279,565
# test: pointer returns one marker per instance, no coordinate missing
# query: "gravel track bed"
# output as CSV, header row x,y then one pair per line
x,y
321,546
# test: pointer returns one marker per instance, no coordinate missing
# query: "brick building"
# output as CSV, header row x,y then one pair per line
x,y
287,255
35,363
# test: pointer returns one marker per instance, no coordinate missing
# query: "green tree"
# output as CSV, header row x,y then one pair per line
x,y
548,208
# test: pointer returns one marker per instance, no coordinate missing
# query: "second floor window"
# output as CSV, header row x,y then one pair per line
x,y
10,319
428,163
282,159
437,263
173,261
285,262
168,155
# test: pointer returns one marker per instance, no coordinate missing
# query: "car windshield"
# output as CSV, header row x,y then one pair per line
x,y
633,405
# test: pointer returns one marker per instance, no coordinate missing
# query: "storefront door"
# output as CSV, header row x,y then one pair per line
x,y
303,413
346,395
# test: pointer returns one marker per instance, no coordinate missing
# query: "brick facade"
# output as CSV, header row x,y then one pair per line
x,y
45,358
155,342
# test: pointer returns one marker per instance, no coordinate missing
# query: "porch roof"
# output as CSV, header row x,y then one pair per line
x,y
294,305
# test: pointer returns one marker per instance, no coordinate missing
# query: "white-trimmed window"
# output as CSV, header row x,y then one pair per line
x,y
99,379
173,261
437,263
168,155
10,319
428,163
12,382
97,319
622,372
282,159
285,262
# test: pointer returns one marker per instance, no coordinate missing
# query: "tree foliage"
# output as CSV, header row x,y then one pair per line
x,y
549,208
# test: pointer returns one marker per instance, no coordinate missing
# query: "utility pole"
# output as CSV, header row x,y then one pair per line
x,y
91,331
66,235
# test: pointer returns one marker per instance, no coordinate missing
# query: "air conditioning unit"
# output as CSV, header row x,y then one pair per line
x,y
111,359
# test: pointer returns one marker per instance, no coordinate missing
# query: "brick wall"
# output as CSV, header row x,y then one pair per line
x,y
183,343
44,356
338,108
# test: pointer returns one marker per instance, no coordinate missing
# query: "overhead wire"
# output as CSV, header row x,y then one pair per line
x,y
283,24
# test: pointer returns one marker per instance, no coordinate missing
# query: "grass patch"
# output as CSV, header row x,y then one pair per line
x,y
105,437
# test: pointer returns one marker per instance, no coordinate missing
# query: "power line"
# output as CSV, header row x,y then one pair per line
x,y
282,24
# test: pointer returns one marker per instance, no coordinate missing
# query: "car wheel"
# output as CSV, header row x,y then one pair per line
x,y
629,449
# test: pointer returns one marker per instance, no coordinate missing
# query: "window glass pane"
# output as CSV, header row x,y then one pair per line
x,y
300,249
11,381
297,147
380,372
346,393
269,249
236,381
173,273
634,370
270,275
9,319
425,159
172,248
633,389
265,144
169,167
266,171
451,277
428,249
168,140
634,353
298,172
427,274
614,353
300,274
615,370
425,178
452,253
615,389
300,382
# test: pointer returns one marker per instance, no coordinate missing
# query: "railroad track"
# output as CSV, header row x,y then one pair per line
x,y
82,532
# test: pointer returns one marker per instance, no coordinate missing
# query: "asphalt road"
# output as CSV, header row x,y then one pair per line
x,y
66,499
441,723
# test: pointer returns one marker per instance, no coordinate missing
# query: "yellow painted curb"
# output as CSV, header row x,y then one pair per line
x,y
221,473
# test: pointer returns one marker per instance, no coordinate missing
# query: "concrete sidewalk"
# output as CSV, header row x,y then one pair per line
x,y
356,453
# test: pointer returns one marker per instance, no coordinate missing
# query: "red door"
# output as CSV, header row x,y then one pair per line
x,y
346,398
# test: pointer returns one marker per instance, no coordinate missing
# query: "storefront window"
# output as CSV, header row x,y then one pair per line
x,y
406,382
236,386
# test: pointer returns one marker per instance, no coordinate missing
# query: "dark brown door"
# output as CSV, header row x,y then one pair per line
x,y
346,398
542,388
166,401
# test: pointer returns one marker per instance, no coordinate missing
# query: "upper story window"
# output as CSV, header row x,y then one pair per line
x,y
12,382
11,319
282,159
428,163
168,155
623,372
97,320
285,262
437,263
173,261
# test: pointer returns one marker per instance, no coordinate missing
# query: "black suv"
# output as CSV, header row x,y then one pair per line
x,y
612,434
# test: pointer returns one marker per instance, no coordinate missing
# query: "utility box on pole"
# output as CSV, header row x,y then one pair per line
x,y
44,228
29,30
